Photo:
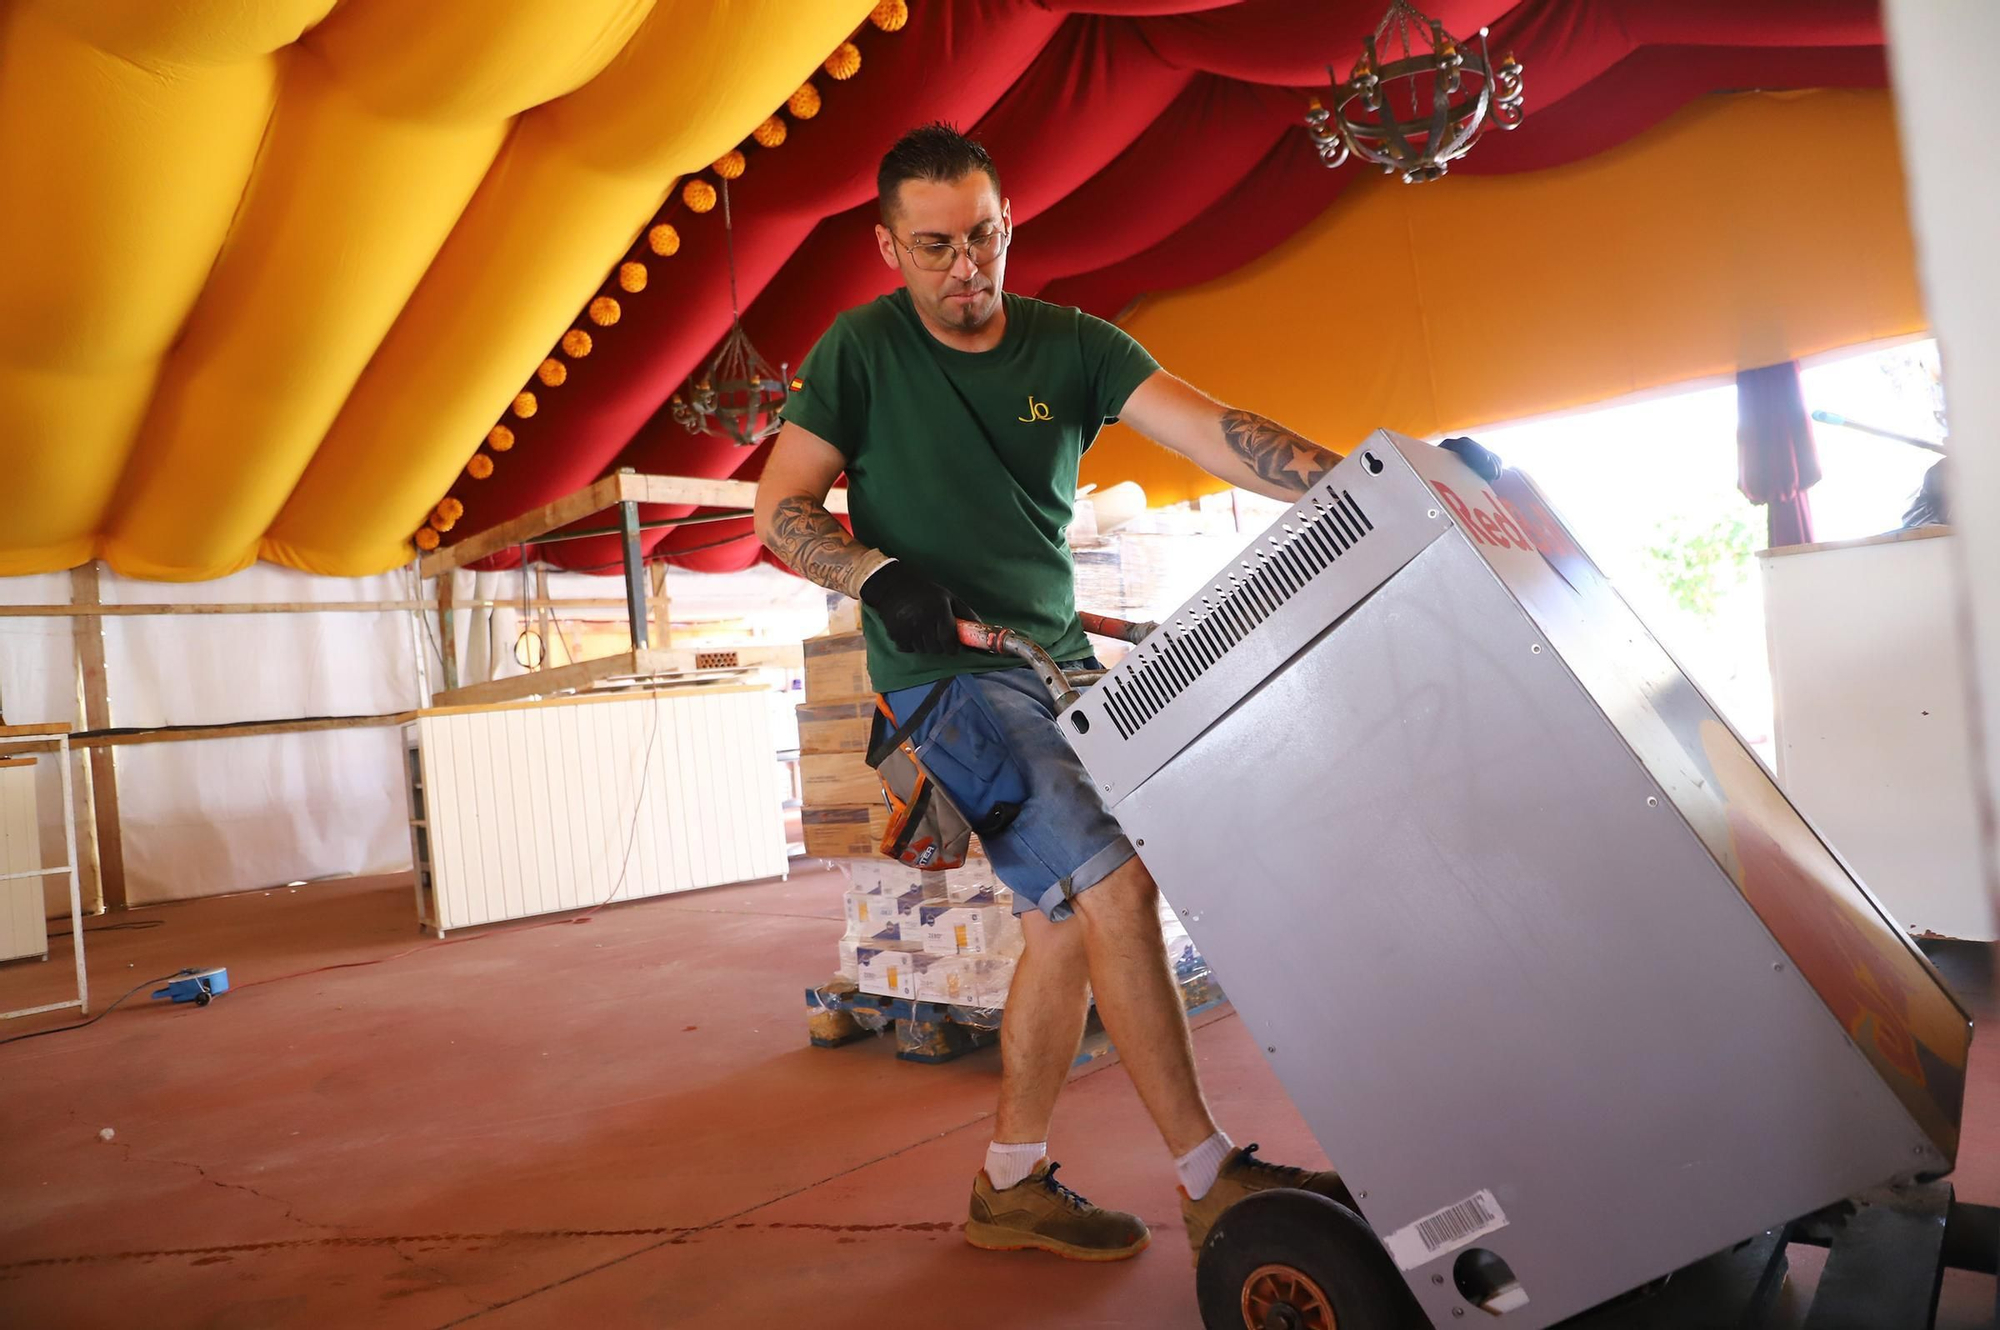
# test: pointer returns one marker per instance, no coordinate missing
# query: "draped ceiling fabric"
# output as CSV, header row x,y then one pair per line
x,y
272,267
292,268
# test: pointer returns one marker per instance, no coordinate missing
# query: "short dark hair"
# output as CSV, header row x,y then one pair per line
x,y
936,152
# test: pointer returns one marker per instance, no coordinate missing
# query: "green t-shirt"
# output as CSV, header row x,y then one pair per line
x,y
964,463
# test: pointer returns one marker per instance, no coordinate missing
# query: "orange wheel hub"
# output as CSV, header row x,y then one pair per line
x,y
1283,1297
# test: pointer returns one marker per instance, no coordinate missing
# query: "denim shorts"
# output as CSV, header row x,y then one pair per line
x,y
992,738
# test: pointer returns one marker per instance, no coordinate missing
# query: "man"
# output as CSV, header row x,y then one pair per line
x,y
959,414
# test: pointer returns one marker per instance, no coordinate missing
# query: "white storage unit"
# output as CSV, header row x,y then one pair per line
x,y
1871,707
539,807
24,929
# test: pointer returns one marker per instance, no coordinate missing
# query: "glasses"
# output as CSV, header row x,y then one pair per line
x,y
942,256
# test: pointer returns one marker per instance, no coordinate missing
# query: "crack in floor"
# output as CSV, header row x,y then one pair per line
x,y
716,1223
290,1213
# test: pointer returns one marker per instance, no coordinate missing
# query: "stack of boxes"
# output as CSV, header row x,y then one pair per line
x,y
843,814
930,937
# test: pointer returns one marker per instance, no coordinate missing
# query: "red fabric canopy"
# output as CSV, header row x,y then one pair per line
x,y
1145,145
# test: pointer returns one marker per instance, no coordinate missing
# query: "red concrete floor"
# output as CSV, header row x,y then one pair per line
x,y
609,1123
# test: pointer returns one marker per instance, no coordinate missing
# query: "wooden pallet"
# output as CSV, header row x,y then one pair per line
x,y
933,1032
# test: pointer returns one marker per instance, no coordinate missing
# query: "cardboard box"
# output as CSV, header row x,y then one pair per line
x,y
983,928
850,951
996,976
836,669
870,913
833,780
843,615
886,969
975,879
835,727
845,831
948,979
878,872
963,981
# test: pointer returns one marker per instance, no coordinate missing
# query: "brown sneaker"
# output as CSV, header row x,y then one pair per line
x,y
1042,1214
1243,1173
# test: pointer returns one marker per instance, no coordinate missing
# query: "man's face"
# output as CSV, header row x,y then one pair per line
x,y
967,213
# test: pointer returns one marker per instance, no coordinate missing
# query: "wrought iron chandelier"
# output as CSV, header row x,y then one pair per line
x,y
1446,117
737,396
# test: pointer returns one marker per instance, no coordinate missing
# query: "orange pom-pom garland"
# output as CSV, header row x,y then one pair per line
x,y
845,62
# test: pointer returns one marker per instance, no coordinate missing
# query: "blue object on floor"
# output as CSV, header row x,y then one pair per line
x,y
197,986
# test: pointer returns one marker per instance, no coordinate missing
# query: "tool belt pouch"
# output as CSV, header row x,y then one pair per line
x,y
928,828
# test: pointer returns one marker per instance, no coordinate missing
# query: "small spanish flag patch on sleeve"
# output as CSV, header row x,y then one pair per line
x,y
798,384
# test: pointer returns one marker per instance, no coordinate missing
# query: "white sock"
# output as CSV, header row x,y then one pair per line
x,y
1199,1166
1007,1165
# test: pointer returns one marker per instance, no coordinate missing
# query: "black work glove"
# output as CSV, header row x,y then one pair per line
x,y
1477,456
919,614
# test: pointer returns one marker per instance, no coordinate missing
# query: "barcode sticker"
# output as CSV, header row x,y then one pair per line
x,y
1446,1230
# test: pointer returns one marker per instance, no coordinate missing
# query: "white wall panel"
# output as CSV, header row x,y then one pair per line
x,y
569,804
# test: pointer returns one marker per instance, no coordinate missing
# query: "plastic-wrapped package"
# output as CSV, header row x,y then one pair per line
x,y
980,925
886,967
952,939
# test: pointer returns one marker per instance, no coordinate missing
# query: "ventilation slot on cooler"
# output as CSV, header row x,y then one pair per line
x,y
1305,545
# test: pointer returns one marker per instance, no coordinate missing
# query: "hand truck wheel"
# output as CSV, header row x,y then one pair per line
x,y
1294,1260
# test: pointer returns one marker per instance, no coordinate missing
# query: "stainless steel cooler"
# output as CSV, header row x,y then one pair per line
x,y
1549,965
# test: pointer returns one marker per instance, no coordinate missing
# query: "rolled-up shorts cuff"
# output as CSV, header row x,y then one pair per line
x,y
1055,901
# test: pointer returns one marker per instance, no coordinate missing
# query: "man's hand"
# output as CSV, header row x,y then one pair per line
x,y
920,615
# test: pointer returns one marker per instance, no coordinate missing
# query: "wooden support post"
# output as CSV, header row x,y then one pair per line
x,y
544,616
104,761
89,871
663,625
447,631
635,573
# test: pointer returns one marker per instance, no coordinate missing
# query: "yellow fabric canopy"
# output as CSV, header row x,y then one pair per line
x,y
241,239
1744,231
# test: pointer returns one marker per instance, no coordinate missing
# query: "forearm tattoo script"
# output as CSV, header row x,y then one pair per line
x,y
806,536
1277,456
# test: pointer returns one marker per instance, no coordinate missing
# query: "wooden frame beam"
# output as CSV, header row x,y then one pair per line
x,y
625,486
188,733
636,665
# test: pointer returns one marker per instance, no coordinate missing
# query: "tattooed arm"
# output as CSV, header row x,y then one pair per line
x,y
792,519
1240,447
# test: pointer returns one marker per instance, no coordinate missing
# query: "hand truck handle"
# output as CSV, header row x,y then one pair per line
x,y
1123,630
1062,687
1007,642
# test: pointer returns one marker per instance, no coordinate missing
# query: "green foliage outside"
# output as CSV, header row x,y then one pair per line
x,y
1700,560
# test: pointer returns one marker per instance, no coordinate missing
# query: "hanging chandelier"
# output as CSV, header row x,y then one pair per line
x,y
737,397
1430,77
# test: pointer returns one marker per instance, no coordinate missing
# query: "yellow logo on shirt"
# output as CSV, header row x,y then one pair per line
x,y
1036,411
